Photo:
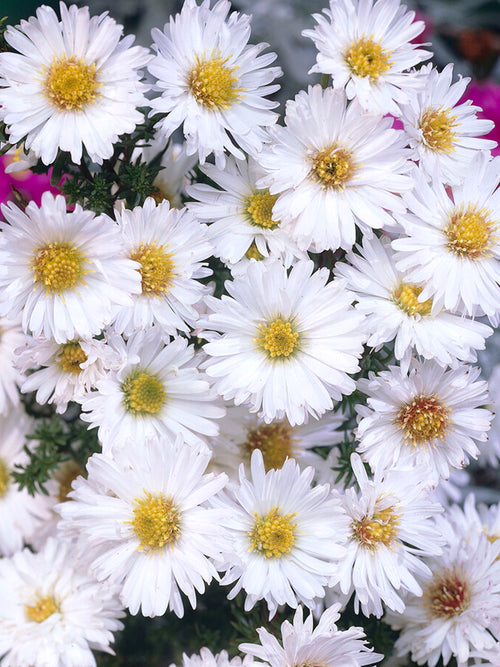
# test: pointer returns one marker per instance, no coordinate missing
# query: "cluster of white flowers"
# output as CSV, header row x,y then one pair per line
x,y
363,275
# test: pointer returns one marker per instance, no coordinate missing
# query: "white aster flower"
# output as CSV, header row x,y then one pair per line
x,y
241,214
63,270
393,311
367,48
11,338
241,432
141,521
286,343
52,613
452,247
212,81
170,247
458,613
207,659
286,537
334,167
391,528
68,370
430,416
157,391
74,83
443,133
22,514
302,645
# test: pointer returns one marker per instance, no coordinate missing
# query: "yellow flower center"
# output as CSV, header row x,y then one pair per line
x,y
423,420
333,167
366,58
437,129
70,356
259,207
447,595
275,441
71,84
66,473
213,84
156,522
254,253
470,232
380,528
143,393
405,296
157,268
4,478
278,338
42,609
58,266
273,534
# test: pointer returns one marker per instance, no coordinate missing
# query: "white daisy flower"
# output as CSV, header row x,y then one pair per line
x,y
452,247
302,645
170,247
391,529
212,81
458,613
52,612
73,84
367,47
429,417
443,133
241,432
286,343
241,214
393,311
286,537
142,522
22,514
334,167
157,391
11,338
63,270
68,370
207,659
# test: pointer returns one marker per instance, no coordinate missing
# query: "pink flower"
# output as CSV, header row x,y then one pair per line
x,y
29,185
487,96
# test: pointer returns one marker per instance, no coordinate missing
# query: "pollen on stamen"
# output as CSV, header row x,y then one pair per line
x,y
278,338
42,609
259,209
156,522
157,268
471,232
405,296
71,84
254,253
424,419
213,84
143,393
58,266
274,440
447,595
273,535
71,356
381,528
333,167
366,58
437,127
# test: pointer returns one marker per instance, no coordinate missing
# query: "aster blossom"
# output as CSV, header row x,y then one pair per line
x,y
283,343
333,167
451,240
52,613
212,82
303,644
62,270
73,85
142,521
286,537
367,47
